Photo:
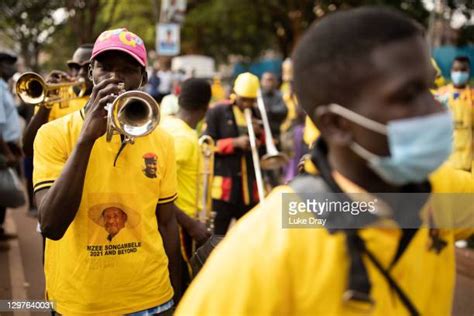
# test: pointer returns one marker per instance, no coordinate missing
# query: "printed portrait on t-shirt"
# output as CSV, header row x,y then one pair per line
x,y
114,218
151,165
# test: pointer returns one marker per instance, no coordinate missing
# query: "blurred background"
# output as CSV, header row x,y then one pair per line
x,y
236,35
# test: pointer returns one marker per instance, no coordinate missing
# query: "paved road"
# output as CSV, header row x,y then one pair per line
x,y
21,273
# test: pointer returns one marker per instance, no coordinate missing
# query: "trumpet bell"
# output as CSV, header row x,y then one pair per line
x,y
273,161
31,88
133,114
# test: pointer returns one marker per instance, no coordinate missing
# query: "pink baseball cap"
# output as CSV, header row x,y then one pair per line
x,y
122,40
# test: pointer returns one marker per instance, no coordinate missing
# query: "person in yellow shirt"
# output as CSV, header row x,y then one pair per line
x,y
193,104
106,208
78,68
381,131
460,99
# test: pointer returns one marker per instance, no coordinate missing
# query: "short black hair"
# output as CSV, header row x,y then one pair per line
x,y
195,94
463,59
332,61
8,58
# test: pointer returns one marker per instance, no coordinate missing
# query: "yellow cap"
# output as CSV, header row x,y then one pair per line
x,y
246,85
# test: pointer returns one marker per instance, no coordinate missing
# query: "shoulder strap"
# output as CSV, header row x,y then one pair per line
x,y
305,183
401,294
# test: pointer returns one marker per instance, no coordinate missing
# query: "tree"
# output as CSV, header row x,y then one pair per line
x,y
30,24
249,27
87,19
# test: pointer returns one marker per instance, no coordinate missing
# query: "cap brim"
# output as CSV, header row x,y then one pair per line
x,y
111,48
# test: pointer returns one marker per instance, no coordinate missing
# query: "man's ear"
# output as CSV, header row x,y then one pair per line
x,y
334,128
144,78
89,71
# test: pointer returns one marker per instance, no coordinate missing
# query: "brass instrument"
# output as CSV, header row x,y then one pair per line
x,y
33,89
273,159
206,214
133,114
255,157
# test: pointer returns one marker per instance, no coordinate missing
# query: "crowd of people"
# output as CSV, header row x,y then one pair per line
x,y
356,111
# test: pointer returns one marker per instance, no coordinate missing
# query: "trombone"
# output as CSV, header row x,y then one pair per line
x,y
33,89
206,215
132,114
273,159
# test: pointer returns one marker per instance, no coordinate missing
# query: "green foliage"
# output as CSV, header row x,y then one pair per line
x,y
248,27
29,24
220,28
87,19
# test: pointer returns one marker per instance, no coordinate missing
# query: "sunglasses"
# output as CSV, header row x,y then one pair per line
x,y
77,66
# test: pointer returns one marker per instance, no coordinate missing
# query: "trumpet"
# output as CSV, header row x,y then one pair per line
x,y
132,114
33,89
206,215
273,159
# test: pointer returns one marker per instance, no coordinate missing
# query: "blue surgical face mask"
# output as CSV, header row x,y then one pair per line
x,y
418,145
460,78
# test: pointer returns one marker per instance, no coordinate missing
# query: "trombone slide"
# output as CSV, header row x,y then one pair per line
x,y
255,157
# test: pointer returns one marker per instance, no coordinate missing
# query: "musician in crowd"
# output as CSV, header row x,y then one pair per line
x,y
78,70
78,67
348,264
10,130
234,189
75,175
193,103
459,96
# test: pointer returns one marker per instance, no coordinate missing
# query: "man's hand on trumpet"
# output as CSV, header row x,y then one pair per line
x,y
57,76
103,93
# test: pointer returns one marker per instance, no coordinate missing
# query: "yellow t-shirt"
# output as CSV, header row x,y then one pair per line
x,y
64,108
304,271
461,104
187,162
111,259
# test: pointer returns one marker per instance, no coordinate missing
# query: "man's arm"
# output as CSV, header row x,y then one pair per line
x,y
168,228
59,204
224,146
38,120
193,227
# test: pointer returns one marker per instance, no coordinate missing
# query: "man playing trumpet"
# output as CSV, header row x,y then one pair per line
x,y
76,178
78,70
78,67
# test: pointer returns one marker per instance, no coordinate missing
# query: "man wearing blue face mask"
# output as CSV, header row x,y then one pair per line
x,y
363,76
460,98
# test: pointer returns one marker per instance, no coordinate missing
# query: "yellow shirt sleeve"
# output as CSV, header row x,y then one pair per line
x,y
50,156
237,279
168,186
453,190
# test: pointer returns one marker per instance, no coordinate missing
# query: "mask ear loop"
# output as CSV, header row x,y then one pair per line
x,y
362,121
358,119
